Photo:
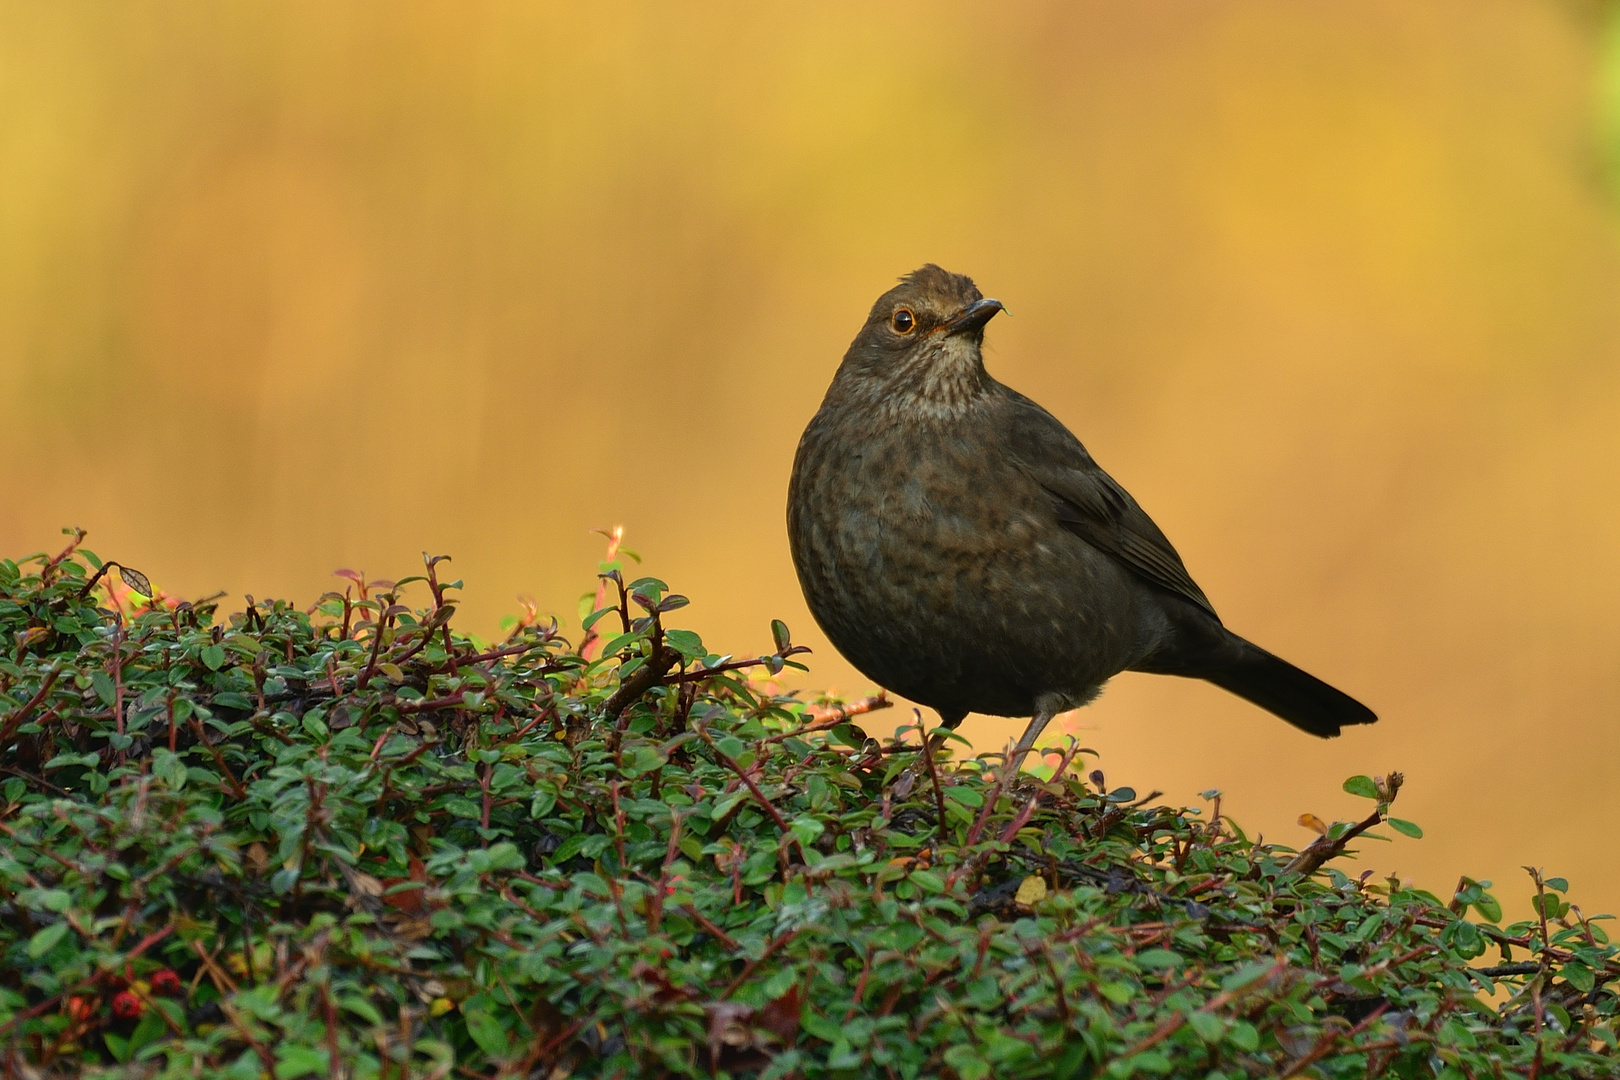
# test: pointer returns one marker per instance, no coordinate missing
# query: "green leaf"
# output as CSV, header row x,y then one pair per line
x,y
845,735
244,645
169,768
1209,1027
1578,975
597,616
617,645
567,849
46,938
820,1026
780,635
1405,828
1157,959
967,1062
779,984
151,1027
1549,905
807,829
62,761
1556,884
487,1032
105,690
57,900
1117,992
1363,786
294,1061
362,1008
1246,974
591,884
688,644
782,1064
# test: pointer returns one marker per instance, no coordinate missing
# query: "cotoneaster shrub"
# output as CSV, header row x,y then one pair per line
x,y
349,841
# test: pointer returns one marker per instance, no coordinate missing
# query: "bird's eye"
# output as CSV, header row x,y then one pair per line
x,y
903,321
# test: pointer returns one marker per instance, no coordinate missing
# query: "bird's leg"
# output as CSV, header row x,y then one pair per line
x,y
1044,711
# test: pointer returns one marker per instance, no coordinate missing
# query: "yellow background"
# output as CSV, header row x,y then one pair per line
x,y
1332,288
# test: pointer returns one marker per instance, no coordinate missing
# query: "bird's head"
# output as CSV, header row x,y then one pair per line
x,y
922,339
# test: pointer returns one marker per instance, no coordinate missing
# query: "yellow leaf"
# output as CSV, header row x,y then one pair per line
x,y
1314,823
392,671
1031,891
440,1006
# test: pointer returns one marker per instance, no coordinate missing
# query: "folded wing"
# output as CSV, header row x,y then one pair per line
x,y
1091,504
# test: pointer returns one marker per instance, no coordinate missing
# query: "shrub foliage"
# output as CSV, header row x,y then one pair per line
x,y
351,841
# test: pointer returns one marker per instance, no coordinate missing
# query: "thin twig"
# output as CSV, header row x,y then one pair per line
x,y
736,665
1322,849
836,718
1330,1039
1214,1004
641,680
742,774
748,968
16,719
714,931
219,759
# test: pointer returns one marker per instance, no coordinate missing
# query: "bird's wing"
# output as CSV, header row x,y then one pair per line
x,y
1090,503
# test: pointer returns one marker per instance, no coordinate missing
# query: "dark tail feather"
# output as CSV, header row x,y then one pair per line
x,y
1281,688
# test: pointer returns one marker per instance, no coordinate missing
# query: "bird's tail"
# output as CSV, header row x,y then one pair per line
x,y
1281,688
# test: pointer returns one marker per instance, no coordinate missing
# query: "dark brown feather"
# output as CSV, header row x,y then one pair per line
x,y
1091,504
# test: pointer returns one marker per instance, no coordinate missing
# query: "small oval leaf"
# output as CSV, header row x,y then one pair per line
x,y
1405,828
1363,786
135,580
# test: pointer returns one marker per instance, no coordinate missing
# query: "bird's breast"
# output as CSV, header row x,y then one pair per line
x,y
938,567
920,520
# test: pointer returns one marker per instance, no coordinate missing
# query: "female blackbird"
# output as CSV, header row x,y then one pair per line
x,y
960,547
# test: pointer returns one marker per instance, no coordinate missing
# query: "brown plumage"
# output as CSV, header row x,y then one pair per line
x,y
962,549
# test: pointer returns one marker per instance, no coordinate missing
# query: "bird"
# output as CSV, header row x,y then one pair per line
x,y
959,545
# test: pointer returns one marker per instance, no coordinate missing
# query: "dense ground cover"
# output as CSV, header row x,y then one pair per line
x,y
350,841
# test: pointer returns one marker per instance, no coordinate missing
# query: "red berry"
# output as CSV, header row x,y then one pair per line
x,y
166,983
81,1009
126,1006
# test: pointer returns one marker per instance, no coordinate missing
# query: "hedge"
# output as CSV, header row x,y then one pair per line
x,y
349,840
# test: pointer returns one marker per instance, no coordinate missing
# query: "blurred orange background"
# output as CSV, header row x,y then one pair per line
x,y
1331,288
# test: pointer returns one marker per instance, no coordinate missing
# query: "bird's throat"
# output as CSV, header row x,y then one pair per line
x,y
939,384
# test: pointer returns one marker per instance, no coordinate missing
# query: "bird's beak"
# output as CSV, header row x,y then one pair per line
x,y
974,316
